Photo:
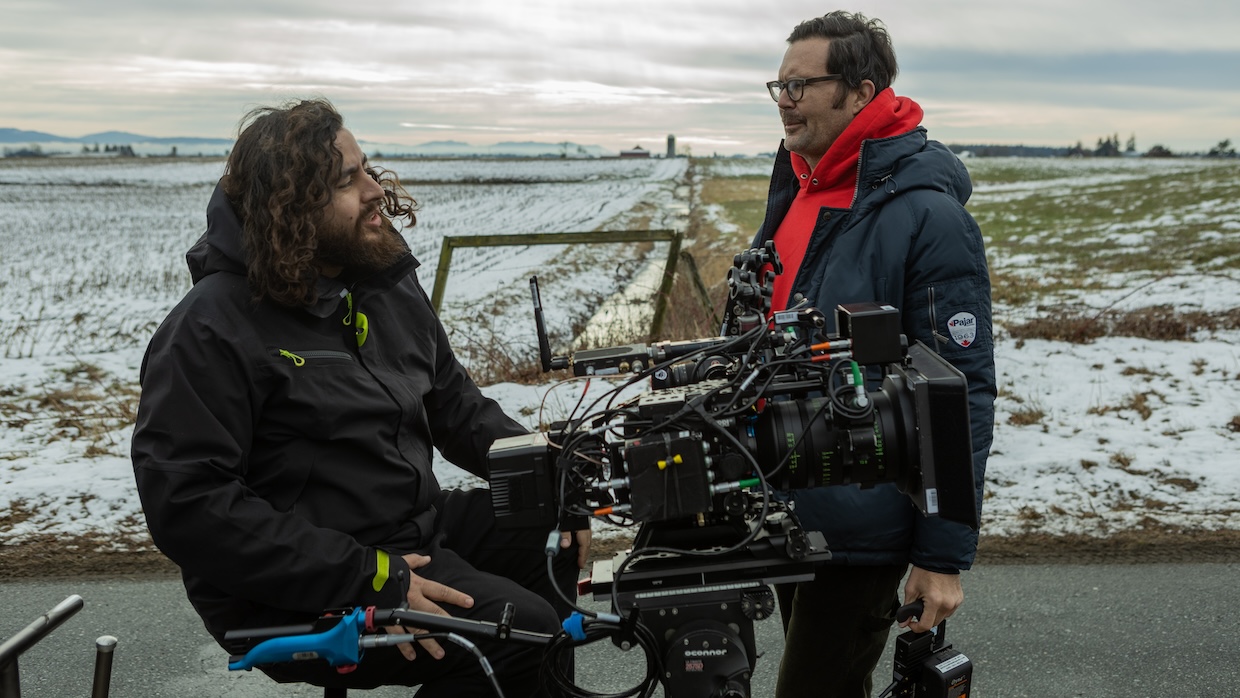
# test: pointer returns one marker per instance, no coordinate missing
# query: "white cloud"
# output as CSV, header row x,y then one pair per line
x,y
588,69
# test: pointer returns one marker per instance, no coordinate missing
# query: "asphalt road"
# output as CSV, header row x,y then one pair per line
x,y
1055,630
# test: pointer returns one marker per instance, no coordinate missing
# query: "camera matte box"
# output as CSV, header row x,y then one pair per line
x,y
944,439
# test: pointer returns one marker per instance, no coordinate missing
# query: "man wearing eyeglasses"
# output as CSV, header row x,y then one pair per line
x,y
864,207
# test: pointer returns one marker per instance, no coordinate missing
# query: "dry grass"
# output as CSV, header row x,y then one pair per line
x,y
743,200
17,512
1026,415
1137,402
84,405
1158,323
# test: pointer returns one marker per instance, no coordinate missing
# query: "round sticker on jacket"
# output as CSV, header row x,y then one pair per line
x,y
963,328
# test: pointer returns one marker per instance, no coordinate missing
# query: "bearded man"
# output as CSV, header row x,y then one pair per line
x,y
290,405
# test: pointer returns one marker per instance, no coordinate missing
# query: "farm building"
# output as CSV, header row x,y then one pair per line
x,y
635,152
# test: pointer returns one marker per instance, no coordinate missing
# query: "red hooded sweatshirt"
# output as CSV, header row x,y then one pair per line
x,y
833,183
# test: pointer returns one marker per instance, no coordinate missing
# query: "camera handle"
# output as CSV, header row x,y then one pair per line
x,y
913,609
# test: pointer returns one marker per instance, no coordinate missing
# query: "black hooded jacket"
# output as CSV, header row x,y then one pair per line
x,y
283,456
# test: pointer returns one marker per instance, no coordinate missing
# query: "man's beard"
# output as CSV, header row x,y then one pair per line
x,y
358,255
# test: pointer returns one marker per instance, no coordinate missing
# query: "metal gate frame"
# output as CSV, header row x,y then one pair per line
x,y
452,242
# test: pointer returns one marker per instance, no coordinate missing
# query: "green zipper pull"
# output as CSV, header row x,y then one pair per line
x,y
348,317
297,360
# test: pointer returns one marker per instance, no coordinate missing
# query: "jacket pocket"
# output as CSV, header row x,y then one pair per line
x,y
303,357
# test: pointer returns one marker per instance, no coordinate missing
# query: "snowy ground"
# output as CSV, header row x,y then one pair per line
x,y
1098,438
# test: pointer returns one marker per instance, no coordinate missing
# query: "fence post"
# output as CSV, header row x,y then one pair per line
x,y
665,288
441,272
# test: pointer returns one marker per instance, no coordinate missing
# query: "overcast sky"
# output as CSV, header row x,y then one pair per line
x,y
615,73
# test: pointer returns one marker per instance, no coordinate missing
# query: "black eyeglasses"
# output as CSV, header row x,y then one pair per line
x,y
796,86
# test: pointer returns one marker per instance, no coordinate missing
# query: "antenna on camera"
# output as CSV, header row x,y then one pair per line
x,y
544,345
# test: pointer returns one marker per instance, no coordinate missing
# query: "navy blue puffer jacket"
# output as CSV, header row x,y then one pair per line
x,y
906,241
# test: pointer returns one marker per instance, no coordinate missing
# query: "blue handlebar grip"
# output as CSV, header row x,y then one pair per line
x,y
574,625
339,646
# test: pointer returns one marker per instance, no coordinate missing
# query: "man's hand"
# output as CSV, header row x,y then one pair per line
x,y
584,537
941,593
426,595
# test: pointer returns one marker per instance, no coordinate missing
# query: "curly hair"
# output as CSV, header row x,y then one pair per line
x,y
860,49
279,179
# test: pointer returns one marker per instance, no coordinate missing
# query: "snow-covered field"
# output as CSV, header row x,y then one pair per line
x,y
93,251
1120,433
1093,438
92,258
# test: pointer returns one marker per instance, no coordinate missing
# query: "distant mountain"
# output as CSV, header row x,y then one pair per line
x,y
14,135
125,138
524,144
444,144
528,149
550,148
431,148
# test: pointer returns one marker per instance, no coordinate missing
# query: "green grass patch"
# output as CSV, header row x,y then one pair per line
x,y
742,198
1123,221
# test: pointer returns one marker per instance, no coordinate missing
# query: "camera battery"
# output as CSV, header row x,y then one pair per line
x,y
945,674
522,477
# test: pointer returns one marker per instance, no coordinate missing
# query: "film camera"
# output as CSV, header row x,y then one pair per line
x,y
697,462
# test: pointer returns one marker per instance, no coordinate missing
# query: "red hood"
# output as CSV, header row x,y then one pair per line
x,y
886,115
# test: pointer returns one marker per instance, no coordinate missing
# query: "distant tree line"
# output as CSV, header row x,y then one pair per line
x,y
1222,150
30,151
35,151
124,151
1106,147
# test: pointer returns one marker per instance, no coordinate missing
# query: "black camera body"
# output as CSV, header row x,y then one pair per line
x,y
698,460
685,450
